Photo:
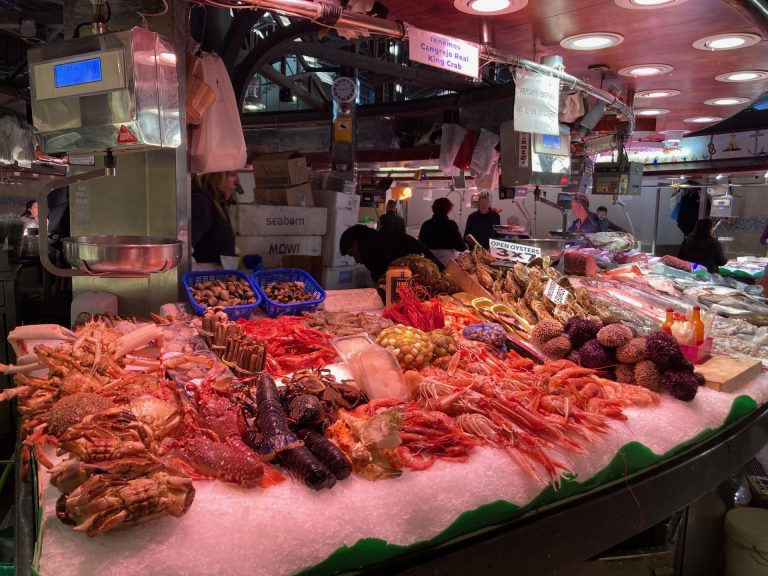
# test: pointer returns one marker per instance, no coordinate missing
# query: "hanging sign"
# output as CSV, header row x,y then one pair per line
x,y
444,52
501,250
537,98
556,293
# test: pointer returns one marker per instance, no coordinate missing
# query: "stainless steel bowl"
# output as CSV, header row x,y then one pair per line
x,y
552,247
100,254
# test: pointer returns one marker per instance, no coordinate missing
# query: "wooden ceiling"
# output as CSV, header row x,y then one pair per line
x,y
658,36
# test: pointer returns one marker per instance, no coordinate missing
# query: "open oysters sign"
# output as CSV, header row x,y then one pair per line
x,y
511,252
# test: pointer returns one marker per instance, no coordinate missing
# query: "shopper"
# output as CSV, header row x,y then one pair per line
x,y
703,248
441,234
29,216
688,213
603,223
391,221
376,249
585,221
211,232
480,224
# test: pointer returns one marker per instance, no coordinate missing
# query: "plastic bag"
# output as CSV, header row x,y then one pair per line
x,y
450,141
675,211
218,145
486,155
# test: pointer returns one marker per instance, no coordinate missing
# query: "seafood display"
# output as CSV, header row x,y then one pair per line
x,y
348,323
612,241
231,291
287,292
140,414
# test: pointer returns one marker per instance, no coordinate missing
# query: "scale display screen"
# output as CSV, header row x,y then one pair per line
x,y
76,73
550,142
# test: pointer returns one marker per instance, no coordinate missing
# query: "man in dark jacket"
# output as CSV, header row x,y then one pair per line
x,y
391,221
480,224
376,250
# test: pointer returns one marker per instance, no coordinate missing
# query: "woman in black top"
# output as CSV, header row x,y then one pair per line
x,y
441,234
211,232
703,248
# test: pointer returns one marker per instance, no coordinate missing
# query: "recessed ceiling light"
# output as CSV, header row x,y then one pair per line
x,y
592,41
647,4
651,111
726,101
489,7
726,41
662,93
703,119
646,70
742,76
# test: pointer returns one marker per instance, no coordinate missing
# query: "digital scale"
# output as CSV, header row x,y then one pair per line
x,y
534,159
114,92
617,178
724,207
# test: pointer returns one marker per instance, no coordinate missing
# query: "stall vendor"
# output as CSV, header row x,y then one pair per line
x,y
481,222
376,250
604,223
211,232
391,221
586,222
703,248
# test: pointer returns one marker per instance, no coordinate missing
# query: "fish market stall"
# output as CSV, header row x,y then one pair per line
x,y
349,438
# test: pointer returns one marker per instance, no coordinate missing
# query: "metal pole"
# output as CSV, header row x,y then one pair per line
x,y
656,221
42,207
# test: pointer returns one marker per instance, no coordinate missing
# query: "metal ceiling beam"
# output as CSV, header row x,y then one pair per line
x,y
332,15
479,97
238,31
244,71
296,89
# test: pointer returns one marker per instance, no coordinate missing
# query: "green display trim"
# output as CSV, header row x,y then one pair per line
x,y
630,458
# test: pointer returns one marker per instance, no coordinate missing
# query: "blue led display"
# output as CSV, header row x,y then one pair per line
x,y
75,73
551,142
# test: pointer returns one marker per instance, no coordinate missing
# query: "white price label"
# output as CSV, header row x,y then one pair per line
x,y
501,250
556,293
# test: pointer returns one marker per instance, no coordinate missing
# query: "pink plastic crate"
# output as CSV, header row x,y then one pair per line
x,y
697,354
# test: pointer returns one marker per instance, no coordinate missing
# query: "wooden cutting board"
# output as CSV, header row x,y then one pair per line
x,y
726,374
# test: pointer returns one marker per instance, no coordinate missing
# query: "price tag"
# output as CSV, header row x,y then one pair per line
x,y
556,293
501,250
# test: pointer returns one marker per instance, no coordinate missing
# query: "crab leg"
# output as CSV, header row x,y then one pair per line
x,y
42,332
136,339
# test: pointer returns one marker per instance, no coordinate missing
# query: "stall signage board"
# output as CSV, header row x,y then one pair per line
x,y
444,52
501,250
556,293
537,98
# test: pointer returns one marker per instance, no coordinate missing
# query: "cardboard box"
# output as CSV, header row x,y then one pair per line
x,y
273,248
338,221
280,169
261,220
337,200
345,277
300,195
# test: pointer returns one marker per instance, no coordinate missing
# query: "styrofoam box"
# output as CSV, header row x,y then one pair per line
x,y
337,200
262,220
273,248
300,195
345,277
338,221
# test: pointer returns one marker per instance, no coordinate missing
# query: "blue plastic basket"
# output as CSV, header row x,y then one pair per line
x,y
233,312
272,308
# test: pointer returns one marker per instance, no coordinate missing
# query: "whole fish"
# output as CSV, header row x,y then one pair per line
x,y
612,241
